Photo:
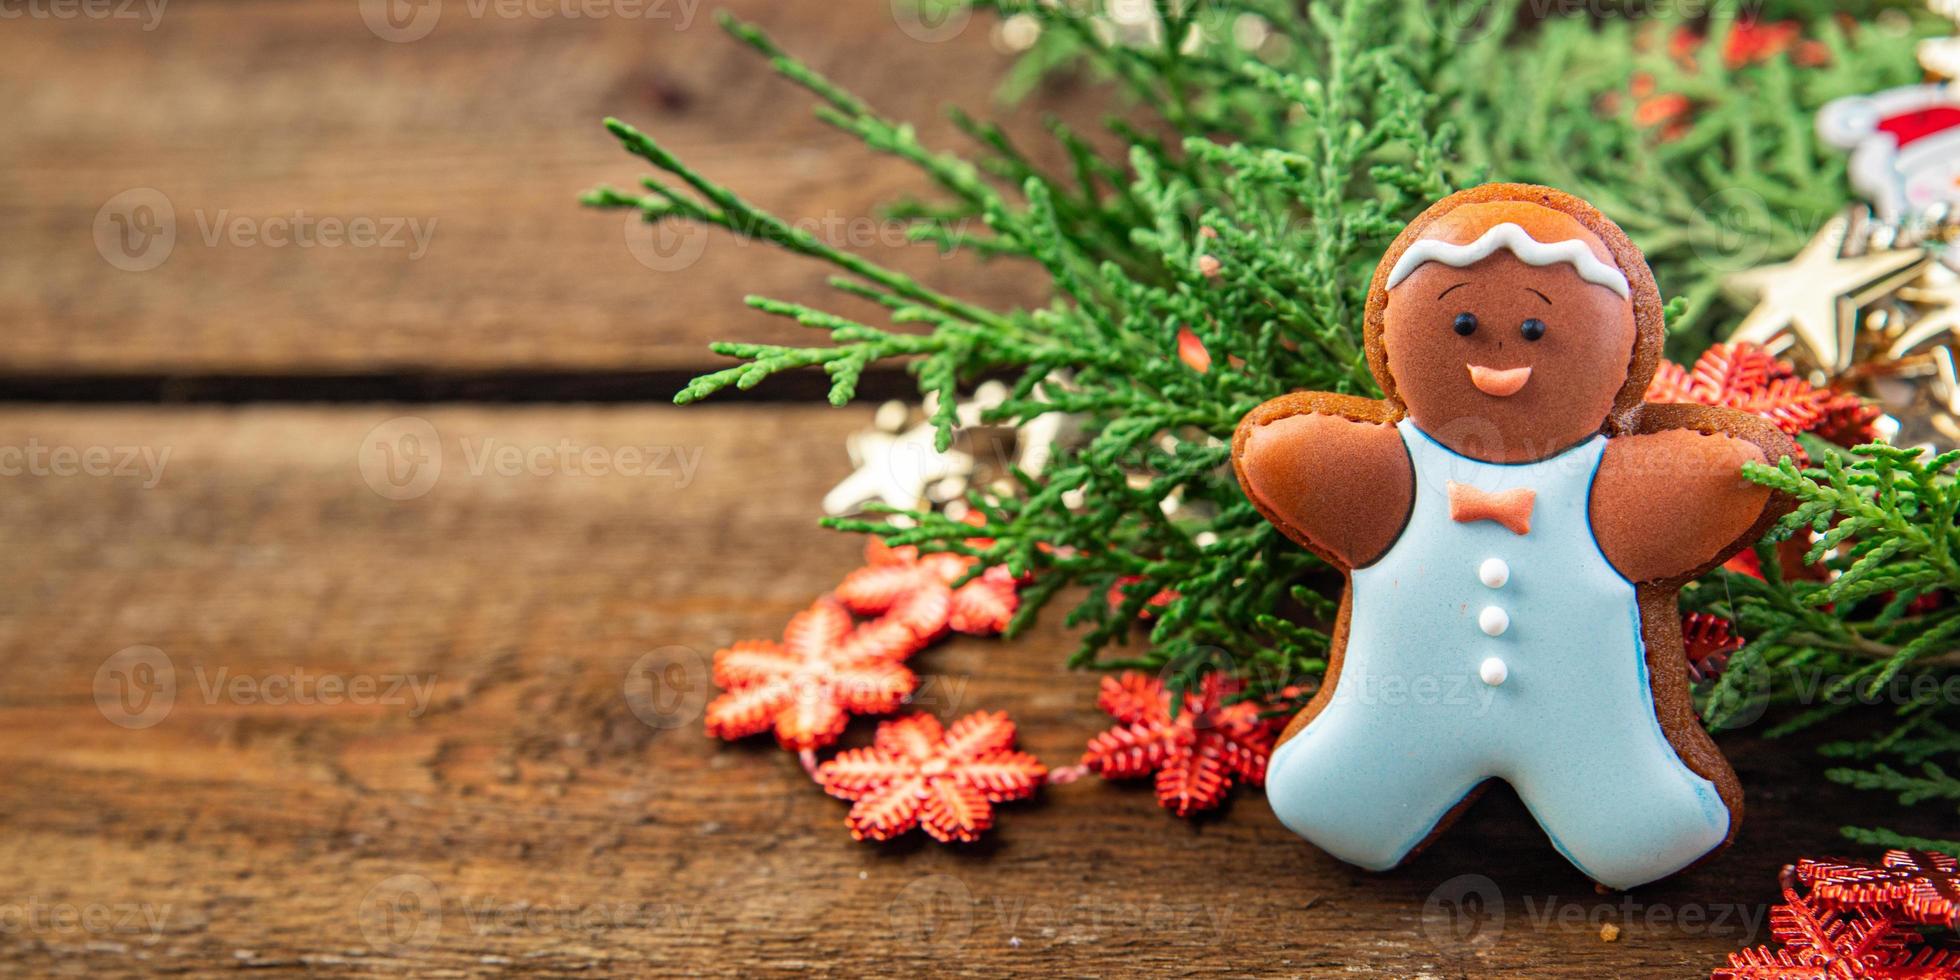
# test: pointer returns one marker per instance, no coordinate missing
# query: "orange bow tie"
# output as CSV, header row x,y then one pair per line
x,y
1511,508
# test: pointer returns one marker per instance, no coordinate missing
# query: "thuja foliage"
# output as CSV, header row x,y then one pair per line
x,y
1691,124
1262,248
1257,186
1880,631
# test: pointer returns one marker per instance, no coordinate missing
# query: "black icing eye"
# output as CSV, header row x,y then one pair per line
x,y
1532,329
1465,324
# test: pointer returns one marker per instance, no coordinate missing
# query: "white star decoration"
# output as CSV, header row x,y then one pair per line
x,y
894,469
901,469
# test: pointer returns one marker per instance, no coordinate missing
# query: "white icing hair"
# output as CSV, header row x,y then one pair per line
x,y
1518,242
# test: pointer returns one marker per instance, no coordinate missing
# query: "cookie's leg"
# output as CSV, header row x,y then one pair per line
x,y
1362,790
1624,810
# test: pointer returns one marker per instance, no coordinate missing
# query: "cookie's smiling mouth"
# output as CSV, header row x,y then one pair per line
x,y
1500,383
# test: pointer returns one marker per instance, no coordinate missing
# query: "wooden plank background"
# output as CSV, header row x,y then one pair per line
x,y
482,133
500,795
521,813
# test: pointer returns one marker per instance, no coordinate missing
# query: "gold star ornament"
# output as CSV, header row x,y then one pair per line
x,y
1917,379
1808,309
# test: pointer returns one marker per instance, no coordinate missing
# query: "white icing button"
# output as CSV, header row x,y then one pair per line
x,y
1494,620
1493,671
1494,573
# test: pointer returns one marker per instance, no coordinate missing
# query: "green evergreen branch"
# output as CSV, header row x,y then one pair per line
x,y
737,215
1254,192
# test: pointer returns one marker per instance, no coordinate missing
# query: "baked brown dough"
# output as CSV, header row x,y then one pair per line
x,y
1668,501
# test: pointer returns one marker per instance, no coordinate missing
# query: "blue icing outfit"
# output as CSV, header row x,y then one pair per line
x,y
1438,693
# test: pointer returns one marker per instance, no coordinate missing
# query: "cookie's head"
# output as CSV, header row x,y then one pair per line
x,y
1513,322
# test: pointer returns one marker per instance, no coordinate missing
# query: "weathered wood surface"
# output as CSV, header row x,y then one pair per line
x,y
507,809
402,733
463,151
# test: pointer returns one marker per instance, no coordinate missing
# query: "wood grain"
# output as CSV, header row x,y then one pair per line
x,y
525,816
250,117
446,722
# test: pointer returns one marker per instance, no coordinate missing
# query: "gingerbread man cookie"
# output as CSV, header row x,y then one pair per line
x,y
1516,526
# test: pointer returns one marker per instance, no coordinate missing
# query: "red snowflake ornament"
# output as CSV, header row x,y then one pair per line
x,y
1748,378
807,687
918,590
1119,593
919,774
1750,42
1918,886
1195,756
1829,940
1818,945
1708,641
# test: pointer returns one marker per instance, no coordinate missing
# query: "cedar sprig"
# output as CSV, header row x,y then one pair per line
x,y
1260,248
1882,632
1253,195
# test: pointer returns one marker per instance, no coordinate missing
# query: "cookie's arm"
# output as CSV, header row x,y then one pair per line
x,y
1329,471
1670,500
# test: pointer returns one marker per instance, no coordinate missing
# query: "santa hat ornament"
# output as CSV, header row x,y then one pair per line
x,y
1905,148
